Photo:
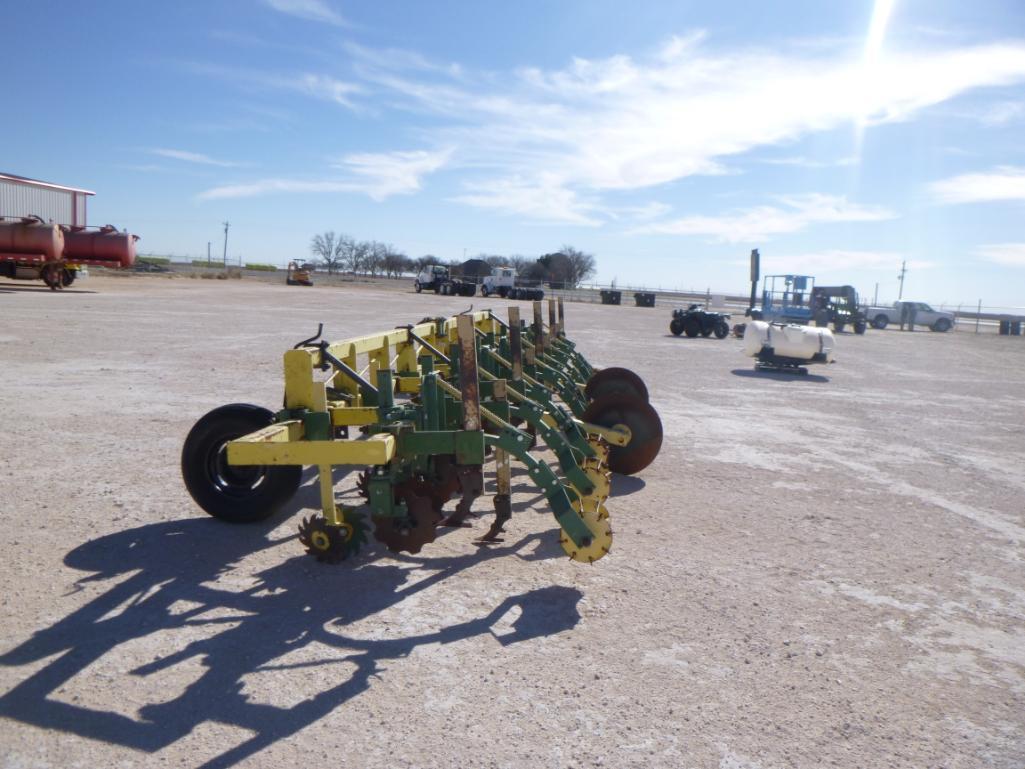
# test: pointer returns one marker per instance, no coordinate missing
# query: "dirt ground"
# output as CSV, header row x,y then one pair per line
x,y
818,571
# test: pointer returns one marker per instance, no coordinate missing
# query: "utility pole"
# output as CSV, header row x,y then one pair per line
x,y
875,299
903,271
208,253
224,258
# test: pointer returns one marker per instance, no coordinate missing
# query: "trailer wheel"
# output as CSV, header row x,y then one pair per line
x,y
417,287
237,494
67,277
880,321
691,327
722,330
52,276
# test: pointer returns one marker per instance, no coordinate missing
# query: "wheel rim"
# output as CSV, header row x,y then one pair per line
x,y
233,480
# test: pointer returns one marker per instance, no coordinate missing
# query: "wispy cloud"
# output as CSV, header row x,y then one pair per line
x,y
1001,184
568,136
324,87
377,175
194,157
752,225
539,200
311,10
1002,113
627,123
399,59
393,173
1010,254
828,260
803,162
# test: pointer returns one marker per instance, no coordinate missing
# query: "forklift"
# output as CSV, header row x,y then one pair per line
x,y
298,275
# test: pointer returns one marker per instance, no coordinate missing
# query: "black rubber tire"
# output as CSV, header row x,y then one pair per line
x,y
676,326
503,291
67,277
880,322
484,291
234,494
691,327
706,332
942,325
860,327
417,287
839,326
722,330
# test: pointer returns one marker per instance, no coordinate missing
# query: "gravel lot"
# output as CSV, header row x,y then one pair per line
x,y
819,571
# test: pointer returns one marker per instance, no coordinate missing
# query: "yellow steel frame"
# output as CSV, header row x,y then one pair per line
x,y
390,350
306,387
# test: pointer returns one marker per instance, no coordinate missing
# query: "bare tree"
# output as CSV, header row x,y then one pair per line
x,y
326,248
358,256
374,259
519,263
421,263
578,266
395,262
343,250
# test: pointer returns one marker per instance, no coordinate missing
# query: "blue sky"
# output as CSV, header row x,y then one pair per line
x,y
666,138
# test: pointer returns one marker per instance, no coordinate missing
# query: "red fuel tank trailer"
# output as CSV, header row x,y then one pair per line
x,y
31,249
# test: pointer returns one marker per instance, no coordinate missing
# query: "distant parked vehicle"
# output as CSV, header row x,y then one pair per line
x,y
838,305
697,322
935,320
430,278
437,278
298,275
503,281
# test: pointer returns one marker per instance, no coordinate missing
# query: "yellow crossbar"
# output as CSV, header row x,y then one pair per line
x,y
376,450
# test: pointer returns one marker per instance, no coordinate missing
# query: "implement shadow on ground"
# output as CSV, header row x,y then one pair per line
x,y
167,580
623,485
778,376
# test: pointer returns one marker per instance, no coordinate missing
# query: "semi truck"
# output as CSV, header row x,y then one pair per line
x,y
504,282
438,278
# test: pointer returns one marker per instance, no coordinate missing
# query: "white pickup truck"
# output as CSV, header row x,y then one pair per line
x,y
935,320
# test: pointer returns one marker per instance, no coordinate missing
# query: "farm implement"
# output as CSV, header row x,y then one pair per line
x,y
428,406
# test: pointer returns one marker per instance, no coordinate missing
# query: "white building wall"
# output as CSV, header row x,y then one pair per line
x,y
56,205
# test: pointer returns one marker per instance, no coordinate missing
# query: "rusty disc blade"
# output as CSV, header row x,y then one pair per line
x,y
644,424
408,534
615,381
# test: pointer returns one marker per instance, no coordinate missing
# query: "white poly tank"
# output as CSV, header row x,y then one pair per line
x,y
788,341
